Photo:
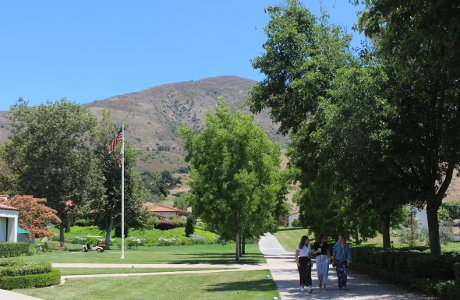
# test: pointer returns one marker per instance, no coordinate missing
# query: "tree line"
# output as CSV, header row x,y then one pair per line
x,y
58,151
371,129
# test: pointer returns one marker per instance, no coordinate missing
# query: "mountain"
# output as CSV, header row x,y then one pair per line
x,y
154,115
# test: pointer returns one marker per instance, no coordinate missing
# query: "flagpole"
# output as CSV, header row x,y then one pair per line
x,y
123,191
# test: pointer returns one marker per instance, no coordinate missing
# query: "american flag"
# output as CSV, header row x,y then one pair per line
x,y
116,140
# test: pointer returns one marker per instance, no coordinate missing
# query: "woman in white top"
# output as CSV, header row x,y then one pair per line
x,y
302,257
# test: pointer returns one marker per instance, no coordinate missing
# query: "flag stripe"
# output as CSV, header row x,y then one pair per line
x,y
116,140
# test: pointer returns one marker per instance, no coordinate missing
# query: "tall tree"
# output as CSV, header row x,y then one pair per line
x,y
356,137
106,209
420,39
302,57
234,174
49,151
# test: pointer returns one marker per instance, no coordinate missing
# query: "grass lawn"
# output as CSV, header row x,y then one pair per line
x,y
232,285
91,271
289,237
193,254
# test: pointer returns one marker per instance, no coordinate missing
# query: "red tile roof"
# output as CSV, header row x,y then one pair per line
x,y
155,207
6,207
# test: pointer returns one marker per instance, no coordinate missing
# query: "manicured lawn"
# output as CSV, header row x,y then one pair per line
x,y
231,285
193,254
289,237
90,271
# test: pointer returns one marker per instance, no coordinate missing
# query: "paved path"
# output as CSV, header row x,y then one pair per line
x,y
8,295
284,271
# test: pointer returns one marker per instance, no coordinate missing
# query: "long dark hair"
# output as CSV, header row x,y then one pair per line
x,y
302,241
320,238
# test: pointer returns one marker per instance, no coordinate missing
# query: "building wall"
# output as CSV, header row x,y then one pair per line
x,y
2,230
291,219
166,214
9,234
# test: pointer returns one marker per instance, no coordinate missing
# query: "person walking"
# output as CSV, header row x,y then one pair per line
x,y
341,260
303,260
323,256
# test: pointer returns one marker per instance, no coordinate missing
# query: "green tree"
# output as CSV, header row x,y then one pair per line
x,y
419,39
106,209
234,174
49,152
183,200
8,180
189,226
302,57
355,138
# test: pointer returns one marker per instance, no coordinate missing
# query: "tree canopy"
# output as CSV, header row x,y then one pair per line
x,y
235,175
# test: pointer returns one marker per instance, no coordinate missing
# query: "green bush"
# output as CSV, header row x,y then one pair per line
x,y
32,280
16,273
10,249
417,270
83,222
189,226
19,269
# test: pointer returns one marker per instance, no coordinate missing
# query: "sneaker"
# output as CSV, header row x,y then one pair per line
x,y
310,290
302,289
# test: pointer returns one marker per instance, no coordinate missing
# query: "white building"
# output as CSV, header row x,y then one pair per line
x,y
292,216
8,223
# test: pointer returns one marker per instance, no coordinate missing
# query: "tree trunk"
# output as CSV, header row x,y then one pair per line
x,y
61,234
237,239
385,218
243,251
109,231
356,236
433,230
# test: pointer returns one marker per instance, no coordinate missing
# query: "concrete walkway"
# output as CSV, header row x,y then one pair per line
x,y
284,272
8,295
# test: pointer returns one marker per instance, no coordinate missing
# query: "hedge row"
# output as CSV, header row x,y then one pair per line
x,y
33,280
10,249
25,269
417,270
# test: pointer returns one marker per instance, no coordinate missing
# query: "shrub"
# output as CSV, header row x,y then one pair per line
x,y
178,222
32,280
165,225
84,222
189,226
413,268
10,249
296,223
133,242
85,239
19,274
18,268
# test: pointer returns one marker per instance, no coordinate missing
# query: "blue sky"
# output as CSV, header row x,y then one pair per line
x,y
91,50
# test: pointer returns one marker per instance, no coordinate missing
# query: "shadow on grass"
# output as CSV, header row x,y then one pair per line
x,y
216,258
252,285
